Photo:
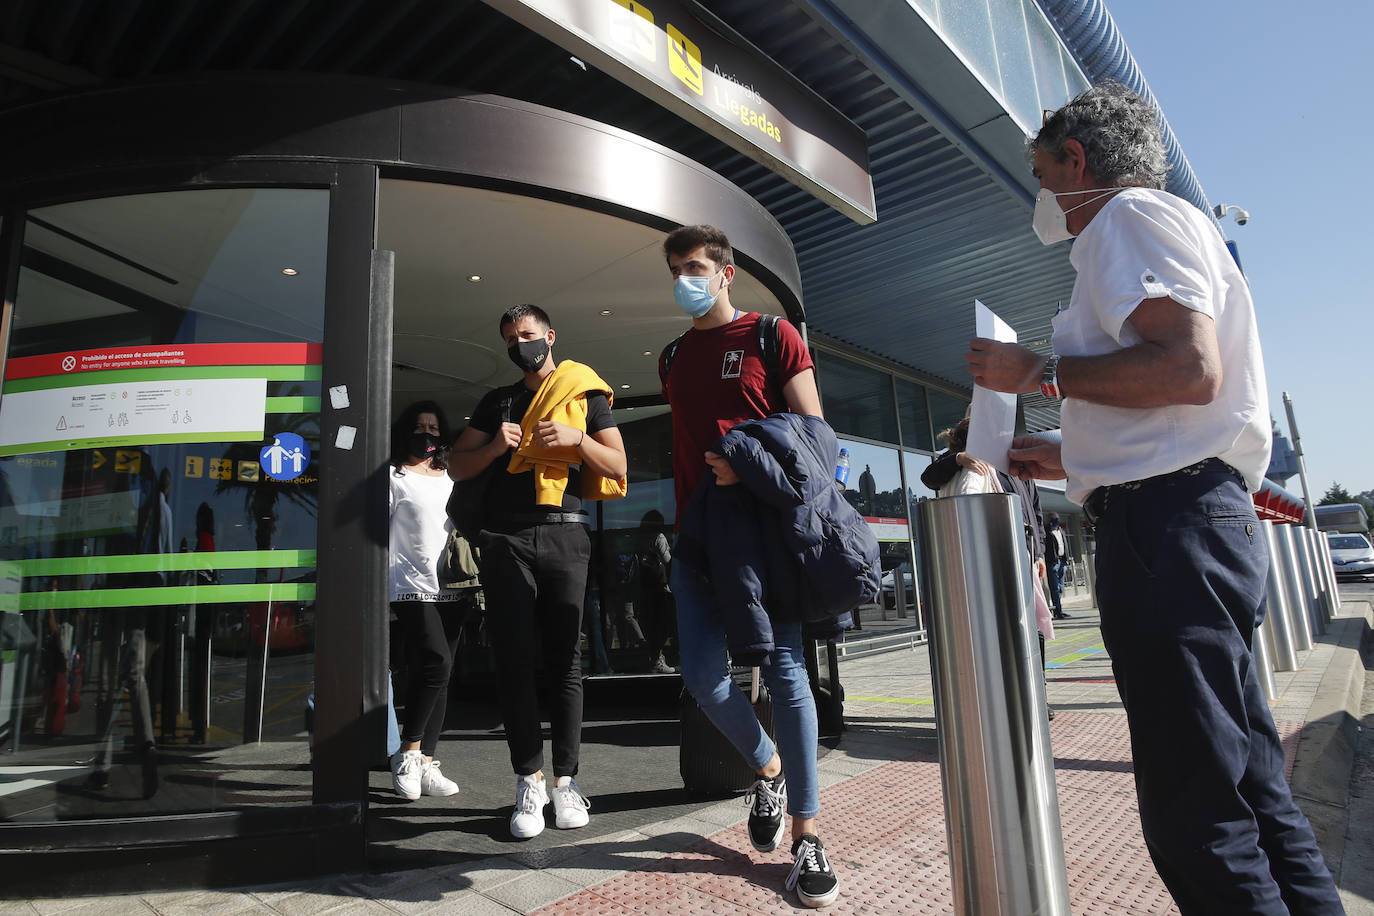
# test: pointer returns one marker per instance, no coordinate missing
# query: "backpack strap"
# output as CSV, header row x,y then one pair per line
x,y
770,345
665,364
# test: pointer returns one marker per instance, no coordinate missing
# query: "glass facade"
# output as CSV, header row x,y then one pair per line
x,y
1013,48
158,493
886,421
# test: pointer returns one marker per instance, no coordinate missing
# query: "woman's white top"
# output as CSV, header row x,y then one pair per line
x,y
419,531
967,481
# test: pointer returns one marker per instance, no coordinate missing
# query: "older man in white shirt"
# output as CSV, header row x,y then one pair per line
x,y
1165,428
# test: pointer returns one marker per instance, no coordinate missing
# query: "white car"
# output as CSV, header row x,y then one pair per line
x,y
1351,555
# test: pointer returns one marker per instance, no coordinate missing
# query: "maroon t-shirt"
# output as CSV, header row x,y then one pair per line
x,y
718,378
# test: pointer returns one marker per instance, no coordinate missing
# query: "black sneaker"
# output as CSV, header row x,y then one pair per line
x,y
767,800
811,875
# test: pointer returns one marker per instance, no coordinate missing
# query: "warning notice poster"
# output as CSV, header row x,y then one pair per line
x,y
142,395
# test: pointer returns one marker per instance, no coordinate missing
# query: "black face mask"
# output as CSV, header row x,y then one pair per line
x,y
422,445
529,355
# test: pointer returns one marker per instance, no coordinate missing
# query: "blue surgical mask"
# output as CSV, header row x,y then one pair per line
x,y
693,294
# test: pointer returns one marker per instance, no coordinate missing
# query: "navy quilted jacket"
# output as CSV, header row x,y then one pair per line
x,y
785,544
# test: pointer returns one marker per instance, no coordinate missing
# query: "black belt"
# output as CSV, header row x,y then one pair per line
x,y
1096,504
529,519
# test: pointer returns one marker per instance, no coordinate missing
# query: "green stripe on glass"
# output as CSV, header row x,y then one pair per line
x,y
292,405
63,445
110,376
101,598
158,562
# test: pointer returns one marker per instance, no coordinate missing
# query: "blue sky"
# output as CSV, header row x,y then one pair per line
x,y
1271,104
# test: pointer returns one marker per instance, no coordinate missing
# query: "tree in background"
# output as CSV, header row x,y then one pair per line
x,y
1337,494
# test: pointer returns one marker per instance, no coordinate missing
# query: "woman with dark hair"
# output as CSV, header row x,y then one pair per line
x,y
420,488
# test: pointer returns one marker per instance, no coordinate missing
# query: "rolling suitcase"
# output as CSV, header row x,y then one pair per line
x,y
709,764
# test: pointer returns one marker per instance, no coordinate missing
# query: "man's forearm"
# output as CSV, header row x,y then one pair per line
x,y
1145,375
466,465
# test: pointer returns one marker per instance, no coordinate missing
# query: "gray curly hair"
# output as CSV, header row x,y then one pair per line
x,y
1119,132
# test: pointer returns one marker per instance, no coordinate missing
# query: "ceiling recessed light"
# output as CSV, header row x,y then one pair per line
x,y
624,386
606,313
474,278
289,271
648,353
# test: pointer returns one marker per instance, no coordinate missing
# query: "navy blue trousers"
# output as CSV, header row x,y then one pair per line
x,y
1181,570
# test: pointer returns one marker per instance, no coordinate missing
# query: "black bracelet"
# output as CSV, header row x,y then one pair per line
x,y
579,441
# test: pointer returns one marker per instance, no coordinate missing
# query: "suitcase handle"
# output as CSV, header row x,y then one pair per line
x,y
754,685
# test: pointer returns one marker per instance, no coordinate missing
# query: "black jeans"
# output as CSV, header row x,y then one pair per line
x,y
1181,571
535,580
430,638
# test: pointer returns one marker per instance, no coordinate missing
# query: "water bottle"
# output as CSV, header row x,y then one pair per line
x,y
842,468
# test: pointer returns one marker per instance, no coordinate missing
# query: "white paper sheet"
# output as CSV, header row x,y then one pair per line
x,y
993,421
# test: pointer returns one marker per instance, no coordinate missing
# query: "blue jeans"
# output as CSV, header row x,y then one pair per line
x,y
706,674
1181,569
1054,572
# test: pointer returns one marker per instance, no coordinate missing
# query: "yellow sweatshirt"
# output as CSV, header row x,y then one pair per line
x,y
562,397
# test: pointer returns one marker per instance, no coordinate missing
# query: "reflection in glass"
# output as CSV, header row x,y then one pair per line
x,y
946,410
915,417
857,400
638,619
158,590
875,489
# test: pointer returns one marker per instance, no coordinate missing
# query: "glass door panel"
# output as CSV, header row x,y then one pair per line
x,y
159,429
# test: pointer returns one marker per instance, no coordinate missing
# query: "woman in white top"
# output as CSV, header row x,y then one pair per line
x,y
420,488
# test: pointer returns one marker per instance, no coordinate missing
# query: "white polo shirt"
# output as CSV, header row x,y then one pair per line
x,y
1147,244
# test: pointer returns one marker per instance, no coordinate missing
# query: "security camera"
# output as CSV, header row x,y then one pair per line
x,y
1242,215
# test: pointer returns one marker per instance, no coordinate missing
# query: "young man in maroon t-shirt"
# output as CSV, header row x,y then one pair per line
x,y
717,378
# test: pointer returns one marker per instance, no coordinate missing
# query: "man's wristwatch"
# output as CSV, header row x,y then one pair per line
x,y
1049,379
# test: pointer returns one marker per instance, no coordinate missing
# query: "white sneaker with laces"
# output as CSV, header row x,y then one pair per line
x,y
432,782
407,768
530,799
570,806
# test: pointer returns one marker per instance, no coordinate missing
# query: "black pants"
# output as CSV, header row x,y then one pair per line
x,y
660,619
535,580
430,633
1181,573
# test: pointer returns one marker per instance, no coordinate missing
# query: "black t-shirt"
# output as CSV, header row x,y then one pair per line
x,y
514,493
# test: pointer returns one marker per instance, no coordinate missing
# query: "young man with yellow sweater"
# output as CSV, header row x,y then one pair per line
x,y
559,446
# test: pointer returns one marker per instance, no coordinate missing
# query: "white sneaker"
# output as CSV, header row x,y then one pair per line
x,y
407,767
530,799
569,805
432,782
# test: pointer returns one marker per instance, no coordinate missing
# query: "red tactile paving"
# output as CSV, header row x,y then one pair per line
x,y
885,833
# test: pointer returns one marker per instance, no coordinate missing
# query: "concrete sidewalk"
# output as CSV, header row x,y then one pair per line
x,y
883,817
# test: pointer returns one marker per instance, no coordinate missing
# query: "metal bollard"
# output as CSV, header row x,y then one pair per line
x,y
1328,568
1307,575
1091,565
1298,620
1314,553
1324,573
1262,655
1278,619
1331,568
1001,806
